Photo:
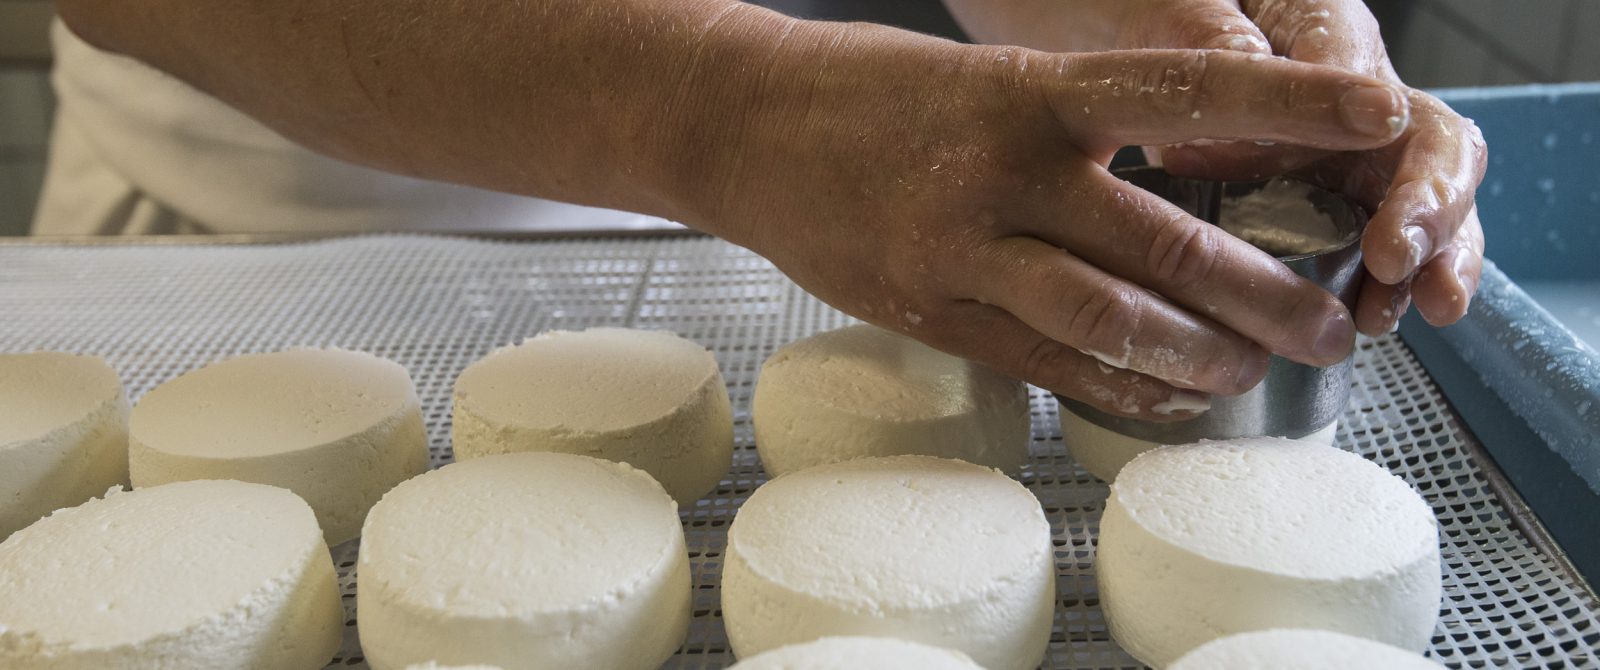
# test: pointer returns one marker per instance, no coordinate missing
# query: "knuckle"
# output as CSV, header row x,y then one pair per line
x,y
1106,319
1012,80
1309,305
1178,86
1045,362
1182,251
1294,97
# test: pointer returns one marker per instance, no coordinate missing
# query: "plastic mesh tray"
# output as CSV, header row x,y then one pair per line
x,y
437,304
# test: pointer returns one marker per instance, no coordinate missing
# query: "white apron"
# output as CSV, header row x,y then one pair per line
x,y
135,151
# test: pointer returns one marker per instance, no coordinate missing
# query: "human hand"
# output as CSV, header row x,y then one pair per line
x,y
959,194
1424,240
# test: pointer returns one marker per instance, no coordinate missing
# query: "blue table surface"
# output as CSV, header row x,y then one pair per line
x,y
1522,367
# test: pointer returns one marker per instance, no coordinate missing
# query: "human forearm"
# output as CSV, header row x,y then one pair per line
x,y
955,193
619,103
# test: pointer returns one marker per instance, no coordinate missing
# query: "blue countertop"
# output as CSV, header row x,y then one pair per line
x,y
1522,367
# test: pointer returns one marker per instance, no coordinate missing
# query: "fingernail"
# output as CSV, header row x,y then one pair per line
x,y
1458,265
1378,111
1252,372
1417,247
1185,159
1401,304
1338,335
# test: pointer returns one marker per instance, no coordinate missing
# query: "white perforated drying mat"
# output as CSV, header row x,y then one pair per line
x,y
437,304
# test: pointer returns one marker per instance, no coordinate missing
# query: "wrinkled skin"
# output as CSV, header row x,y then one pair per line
x,y
1424,241
983,220
955,193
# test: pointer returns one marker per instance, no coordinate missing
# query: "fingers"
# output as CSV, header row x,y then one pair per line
x,y
1237,161
1443,289
1381,305
1154,244
989,335
1115,322
1204,24
1431,193
1337,33
1120,98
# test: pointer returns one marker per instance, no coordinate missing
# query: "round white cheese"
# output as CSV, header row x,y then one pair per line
x,y
1103,451
1301,649
647,398
524,560
919,548
863,391
201,574
337,427
63,434
1215,538
856,653
430,665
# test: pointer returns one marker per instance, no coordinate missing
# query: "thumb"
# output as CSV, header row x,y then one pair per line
x,y
1201,24
1195,24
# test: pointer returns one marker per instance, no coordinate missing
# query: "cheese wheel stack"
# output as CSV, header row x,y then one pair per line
x,y
1103,452
1215,538
337,427
858,653
63,434
524,560
924,549
1301,649
201,574
863,391
647,398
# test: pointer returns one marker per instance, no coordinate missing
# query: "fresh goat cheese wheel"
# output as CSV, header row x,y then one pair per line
x,y
63,434
337,427
1103,452
863,391
199,574
531,560
647,398
924,549
857,653
1301,649
1215,538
